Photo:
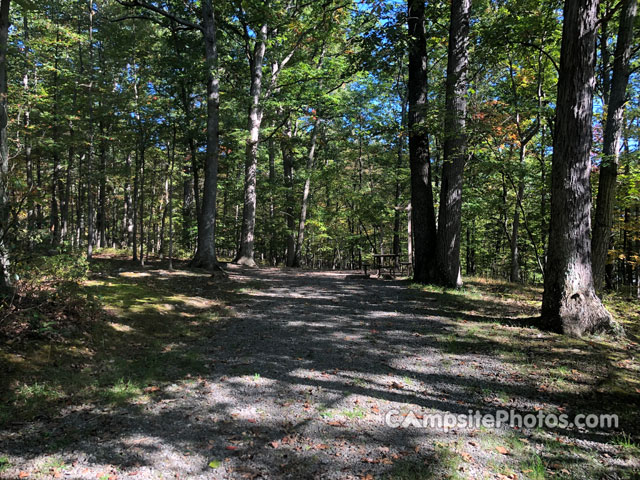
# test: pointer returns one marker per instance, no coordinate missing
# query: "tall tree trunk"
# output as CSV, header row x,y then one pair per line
x,y
26,123
70,157
5,278
569,302
170,199
397,249
128,205
287,163
134,219
410,253
56,181
514,275
422,212
141,202
543,201
603,218
455,147
102,192
272,207
245,255
305,194
90,159
191,182
206,254
165,197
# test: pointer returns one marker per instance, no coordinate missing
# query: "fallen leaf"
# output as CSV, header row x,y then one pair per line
x,y
23,475
466,457
275,444
502,450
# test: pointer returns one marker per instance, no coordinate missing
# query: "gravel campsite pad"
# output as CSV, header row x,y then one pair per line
x,y
276,373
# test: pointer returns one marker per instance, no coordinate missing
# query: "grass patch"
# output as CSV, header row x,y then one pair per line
x,y
152,328
54,463
444,464
534,468
626,442
325,412
356,412
121,392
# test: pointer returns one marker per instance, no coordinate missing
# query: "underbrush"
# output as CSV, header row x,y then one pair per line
x,y
47,300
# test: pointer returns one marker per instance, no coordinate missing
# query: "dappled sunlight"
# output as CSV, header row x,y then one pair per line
x,y
290,374
120,327
134,274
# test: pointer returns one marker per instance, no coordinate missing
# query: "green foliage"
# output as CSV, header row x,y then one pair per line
x,y
64,268
534,468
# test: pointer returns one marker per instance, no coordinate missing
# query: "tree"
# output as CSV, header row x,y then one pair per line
x,y
205,255
455,147
422,210
268,25
569,303
603,218
5,278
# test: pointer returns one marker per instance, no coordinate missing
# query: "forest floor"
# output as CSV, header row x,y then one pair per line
x,y
277,373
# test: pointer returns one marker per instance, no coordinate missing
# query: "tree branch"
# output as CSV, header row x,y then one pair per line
x,y
610,14
160,11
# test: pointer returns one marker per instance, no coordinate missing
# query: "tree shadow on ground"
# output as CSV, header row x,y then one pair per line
x,y
287,374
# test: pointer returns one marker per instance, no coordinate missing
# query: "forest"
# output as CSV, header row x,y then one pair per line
x,y
235,235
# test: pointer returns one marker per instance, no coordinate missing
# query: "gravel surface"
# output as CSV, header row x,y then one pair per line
x,y
299,381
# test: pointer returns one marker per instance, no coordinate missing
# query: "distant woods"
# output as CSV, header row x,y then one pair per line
x,y
315,134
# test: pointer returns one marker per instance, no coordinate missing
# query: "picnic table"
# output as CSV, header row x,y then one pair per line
x,y
388,262
385,261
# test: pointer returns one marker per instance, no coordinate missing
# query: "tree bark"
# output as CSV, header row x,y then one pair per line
x,y
245,255
141,201
603,218
26,123
287,163
397,248
569,303
102,193
305,194
455,147
5,278
134,219
128,206
422,212
206,254
91,146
